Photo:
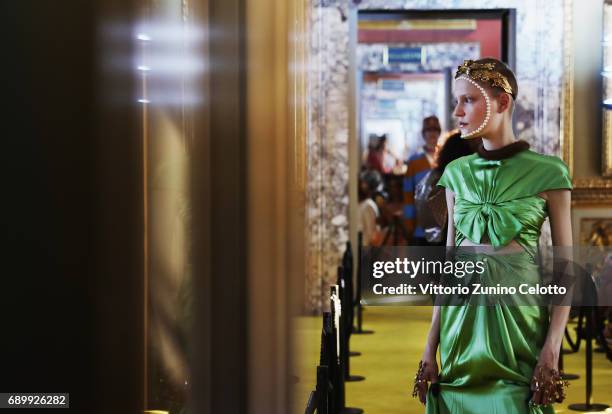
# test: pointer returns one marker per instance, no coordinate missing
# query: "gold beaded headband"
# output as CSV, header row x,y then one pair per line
x,y
485,72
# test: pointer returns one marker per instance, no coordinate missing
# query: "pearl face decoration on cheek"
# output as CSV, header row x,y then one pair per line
x,y
482,90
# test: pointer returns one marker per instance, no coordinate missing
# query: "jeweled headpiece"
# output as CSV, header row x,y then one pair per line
x,y
485,72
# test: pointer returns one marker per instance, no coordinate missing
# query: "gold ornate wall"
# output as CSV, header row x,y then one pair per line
x,y
592,195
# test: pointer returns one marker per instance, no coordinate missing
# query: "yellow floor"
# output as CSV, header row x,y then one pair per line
x,y
390,357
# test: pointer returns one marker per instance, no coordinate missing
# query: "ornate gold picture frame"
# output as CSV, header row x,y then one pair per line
x,y
606,153
606,149
591,190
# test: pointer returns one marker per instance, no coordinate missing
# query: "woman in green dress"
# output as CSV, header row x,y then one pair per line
x,y
502,358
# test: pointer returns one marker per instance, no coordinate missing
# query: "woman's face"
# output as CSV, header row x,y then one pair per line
x,y
471,107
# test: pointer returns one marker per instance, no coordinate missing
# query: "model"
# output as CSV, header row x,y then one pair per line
x,y
497,359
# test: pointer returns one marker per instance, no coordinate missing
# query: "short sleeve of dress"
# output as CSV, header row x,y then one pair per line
x,y
449,177
554,175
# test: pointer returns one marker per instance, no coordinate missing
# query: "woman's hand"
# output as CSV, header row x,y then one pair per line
x,y
546,382
427,373
549,357
428,367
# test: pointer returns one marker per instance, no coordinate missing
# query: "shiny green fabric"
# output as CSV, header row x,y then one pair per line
x,y
500,198
488,353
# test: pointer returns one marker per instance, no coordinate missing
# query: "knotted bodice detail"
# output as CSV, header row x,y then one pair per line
x,y
498,199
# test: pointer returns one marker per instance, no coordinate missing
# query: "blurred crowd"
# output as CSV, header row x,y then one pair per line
x,y
399,202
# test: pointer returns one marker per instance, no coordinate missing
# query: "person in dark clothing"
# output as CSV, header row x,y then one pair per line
x,y
430,200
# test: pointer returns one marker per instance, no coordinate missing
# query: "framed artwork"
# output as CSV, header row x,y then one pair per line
x,y
607,90
595,232
592,227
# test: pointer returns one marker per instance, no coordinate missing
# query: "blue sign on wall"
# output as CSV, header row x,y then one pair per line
x,y
404,55
386,104
392,84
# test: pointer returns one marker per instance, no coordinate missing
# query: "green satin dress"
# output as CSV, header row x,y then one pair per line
x,y
488,353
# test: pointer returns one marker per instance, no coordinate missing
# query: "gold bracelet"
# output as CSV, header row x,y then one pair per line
x,y
552,386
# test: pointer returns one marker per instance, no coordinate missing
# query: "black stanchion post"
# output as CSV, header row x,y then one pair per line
x,y
326,395
565,375
347,263
600,324
358,281
322,390
311,405
359,330
338,380
335,369
574,345
588,337
345,299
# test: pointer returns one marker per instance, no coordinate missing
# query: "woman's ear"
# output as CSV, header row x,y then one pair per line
x,y
504,101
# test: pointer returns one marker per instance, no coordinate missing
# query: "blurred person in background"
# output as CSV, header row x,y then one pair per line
x,y
379,157
370,183
430,200
391,220
419,165
376,154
